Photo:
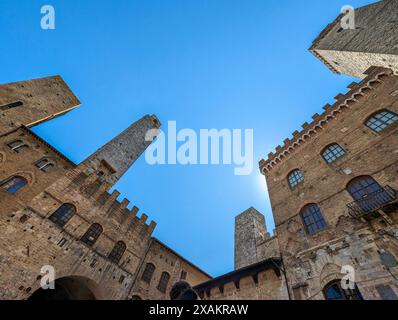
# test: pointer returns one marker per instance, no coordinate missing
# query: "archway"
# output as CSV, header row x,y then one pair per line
x,y
69,288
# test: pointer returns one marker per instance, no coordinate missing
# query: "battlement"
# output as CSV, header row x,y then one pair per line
x,y
318,123
96,191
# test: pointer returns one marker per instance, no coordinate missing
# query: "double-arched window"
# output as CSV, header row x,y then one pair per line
x,y
13,184
117,252
313,219
44,165
163,282
148,273
332,152
295,178
63,214
92,234
17,146
381,120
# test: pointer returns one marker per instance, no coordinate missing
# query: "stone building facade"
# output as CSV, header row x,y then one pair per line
x,y
252,241
333,193
373,41
59,214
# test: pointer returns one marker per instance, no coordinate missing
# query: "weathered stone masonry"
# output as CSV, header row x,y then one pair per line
x,y
29,238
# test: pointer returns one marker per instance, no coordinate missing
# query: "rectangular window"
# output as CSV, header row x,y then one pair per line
x,y
11,105
183,275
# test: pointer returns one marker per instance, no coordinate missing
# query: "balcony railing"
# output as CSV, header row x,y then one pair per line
x,y
372,202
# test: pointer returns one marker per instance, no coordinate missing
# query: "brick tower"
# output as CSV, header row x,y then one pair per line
x,y
112,160
249,227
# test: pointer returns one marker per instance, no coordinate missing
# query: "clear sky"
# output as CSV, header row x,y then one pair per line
x,y
203,63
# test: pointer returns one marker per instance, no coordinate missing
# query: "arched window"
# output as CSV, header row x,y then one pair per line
x,y
295,178
148,273
313,219
17,145
368,193
63,214
92,234
332,153
117,252
13,184
334,291
44,165
381,120
163,282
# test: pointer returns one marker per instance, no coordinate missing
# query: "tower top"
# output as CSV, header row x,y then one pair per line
x,y
112,160
249,229
32,102
372,42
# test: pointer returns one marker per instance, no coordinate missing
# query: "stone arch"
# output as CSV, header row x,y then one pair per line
x,y
330,272
69,288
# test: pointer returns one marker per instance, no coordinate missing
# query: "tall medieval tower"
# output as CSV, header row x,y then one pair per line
x,y
373,42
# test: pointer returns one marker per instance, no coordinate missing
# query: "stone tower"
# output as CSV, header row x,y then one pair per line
x,y
373,42
249,228
32,102
112,160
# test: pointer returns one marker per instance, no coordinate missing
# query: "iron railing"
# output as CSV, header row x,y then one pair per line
x,y
372,202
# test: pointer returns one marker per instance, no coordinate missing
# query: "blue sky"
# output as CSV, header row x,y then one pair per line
x,y
203,63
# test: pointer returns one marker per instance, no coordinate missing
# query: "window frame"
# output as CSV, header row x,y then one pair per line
x,y
60,220
381,121
92,234
295,176
117,252
312,218
163,282
47,164
148,273
330,156
10,188
18,147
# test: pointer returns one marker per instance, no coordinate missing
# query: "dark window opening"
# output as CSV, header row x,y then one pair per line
x,y
44,165
148,273
117,252
332,153
313,219
183,275
295,178
17,145
63,214
368,193
11,105
14,184
92,234
163,282
381,120
334,291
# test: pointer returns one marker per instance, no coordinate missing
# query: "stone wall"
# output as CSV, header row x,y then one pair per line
x,y
165,260
373,42
312,261
32,102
